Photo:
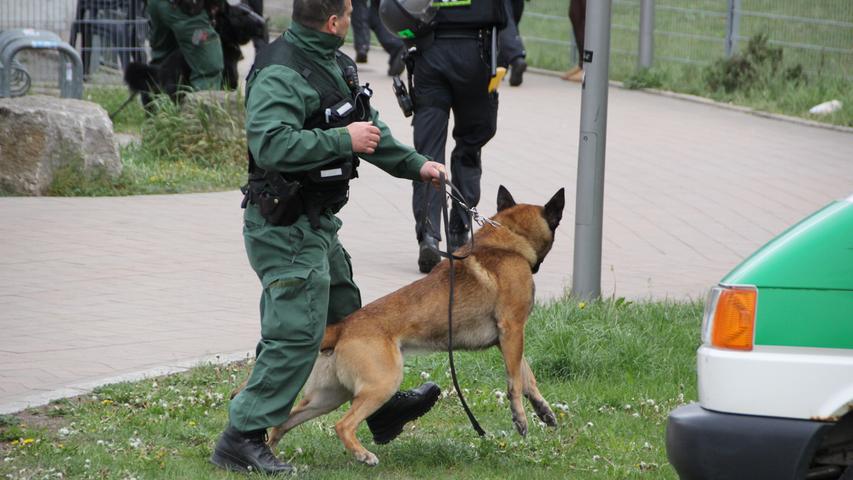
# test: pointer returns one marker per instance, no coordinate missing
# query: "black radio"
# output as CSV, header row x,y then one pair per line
x,y
403,97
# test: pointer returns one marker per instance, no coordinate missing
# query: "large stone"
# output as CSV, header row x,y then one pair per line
x,y
40,134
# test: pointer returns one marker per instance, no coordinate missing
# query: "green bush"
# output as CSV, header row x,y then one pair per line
x,y
644,78
203,132
758,66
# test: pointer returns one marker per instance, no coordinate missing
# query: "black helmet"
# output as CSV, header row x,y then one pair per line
x,y
408,19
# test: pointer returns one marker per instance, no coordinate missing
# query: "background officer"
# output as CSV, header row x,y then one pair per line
x,y
452,69
365,17
512,53
186,25
303,141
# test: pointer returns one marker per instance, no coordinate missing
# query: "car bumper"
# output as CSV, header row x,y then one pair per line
x,y
703,444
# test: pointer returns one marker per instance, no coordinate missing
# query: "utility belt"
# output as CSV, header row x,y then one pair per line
x,y
462,33
488,38
283,198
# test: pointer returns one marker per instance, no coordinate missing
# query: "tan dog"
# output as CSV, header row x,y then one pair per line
x,y
362,356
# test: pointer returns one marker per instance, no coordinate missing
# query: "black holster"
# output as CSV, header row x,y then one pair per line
x,y
278,200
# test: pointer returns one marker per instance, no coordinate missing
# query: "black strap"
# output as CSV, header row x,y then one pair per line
x,y
451,257
123,105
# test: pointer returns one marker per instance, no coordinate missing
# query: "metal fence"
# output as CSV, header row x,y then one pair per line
x,y
108,34
817,34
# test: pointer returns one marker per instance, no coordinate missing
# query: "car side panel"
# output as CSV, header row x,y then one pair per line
x,y
776,381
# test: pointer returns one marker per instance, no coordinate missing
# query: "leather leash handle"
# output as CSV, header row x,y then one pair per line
x,y
471,418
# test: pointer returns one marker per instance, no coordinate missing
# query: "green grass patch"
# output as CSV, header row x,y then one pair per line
x,y
612,371
196,147
129,119
689,47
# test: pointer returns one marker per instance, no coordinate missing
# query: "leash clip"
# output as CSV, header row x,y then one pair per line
x,y
477,216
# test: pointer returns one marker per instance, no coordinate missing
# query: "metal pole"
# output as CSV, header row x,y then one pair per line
x,y
647,34
732,27
589,202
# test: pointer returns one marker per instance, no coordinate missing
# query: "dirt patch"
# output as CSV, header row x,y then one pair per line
x,y
49,419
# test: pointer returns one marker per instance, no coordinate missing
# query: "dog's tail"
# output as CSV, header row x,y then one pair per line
x,y
330,339
141,77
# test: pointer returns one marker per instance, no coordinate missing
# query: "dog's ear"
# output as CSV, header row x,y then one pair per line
x,y
505,200
554,209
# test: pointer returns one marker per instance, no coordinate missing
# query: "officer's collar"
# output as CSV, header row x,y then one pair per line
x,y
314,41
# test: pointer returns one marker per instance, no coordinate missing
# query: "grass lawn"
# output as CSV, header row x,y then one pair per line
x,y
130,119
611,370
194,149
689,37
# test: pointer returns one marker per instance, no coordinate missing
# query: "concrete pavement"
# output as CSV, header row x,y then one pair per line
x,y
94,290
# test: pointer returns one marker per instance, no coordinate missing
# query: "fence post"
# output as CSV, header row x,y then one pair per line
x,y
647,34
732,27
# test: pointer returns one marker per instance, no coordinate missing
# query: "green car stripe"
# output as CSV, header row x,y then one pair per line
x,y
804,279
804,318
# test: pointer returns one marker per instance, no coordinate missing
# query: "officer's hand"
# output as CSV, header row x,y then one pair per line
x,y
365,137
431,171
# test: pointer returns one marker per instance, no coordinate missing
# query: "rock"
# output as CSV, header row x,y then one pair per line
x,y
40,134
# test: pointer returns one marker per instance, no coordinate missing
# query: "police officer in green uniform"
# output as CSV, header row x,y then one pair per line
x,y
186,25
308,121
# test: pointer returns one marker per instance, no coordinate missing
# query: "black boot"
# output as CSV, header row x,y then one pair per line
x,y
247,452
457,239
387,422
428,256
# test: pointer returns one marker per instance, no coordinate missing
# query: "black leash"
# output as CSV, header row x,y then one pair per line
x,y
123,105
451,257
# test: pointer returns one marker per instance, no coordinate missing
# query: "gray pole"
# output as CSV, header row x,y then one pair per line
x,y
589,202
732,27
647,34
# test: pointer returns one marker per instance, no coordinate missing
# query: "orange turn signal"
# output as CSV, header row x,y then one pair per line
x,y
734,319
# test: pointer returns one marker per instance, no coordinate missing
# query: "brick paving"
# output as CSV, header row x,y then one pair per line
x,y
95,290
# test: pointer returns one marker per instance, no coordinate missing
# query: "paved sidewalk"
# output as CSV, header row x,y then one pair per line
x,y
99,289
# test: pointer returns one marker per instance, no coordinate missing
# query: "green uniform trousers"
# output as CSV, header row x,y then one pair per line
x,y
172,29
307,281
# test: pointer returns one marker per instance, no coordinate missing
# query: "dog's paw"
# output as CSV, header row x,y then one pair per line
x,y
520,425
367,458
544,412
549,418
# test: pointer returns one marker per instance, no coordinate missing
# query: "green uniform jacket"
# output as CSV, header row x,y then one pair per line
x,y
279,100
172,29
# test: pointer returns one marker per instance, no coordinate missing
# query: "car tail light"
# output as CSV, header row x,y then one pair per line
x,y
729,320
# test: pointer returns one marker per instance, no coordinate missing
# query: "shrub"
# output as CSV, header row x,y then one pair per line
x,y
204,129
758,65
